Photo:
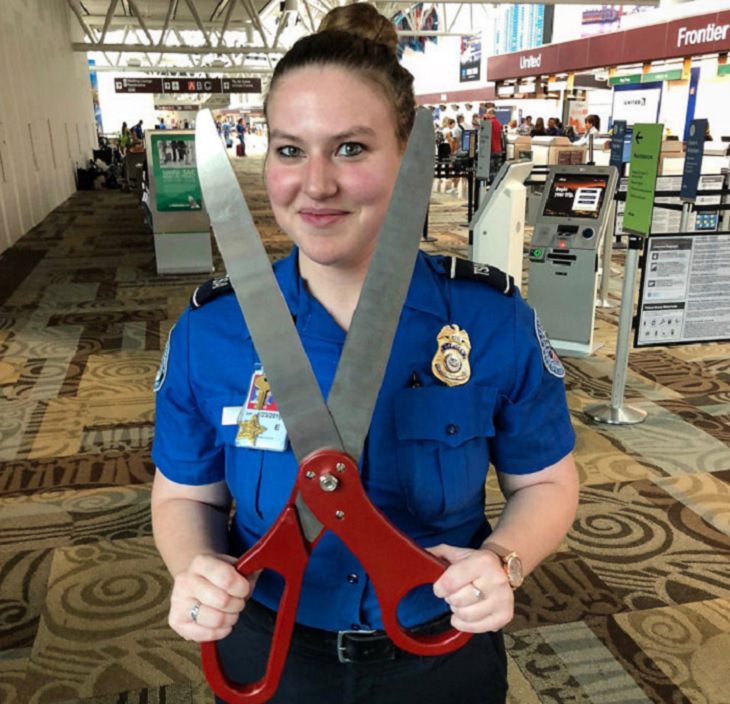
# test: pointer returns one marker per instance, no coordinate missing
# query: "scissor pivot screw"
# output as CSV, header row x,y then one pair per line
x,y
340,466
339,515
328,483
310,474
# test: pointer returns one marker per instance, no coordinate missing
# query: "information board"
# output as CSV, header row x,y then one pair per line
x,y
684,296
667,221
175,171
695,149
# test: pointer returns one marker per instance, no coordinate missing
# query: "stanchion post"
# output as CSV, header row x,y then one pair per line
x,y
603,301
617,412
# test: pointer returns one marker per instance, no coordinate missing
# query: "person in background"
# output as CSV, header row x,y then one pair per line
x,y
539,129
241,131
125,139
138,132
526,127
512,128
593,125
330,175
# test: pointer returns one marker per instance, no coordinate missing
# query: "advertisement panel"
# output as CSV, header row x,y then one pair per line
x,y
634,104
470,58
175,171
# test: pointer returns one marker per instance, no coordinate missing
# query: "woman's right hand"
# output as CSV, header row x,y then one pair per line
x,y
212,582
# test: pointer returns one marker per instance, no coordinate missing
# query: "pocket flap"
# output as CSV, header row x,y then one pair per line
x,y
451,415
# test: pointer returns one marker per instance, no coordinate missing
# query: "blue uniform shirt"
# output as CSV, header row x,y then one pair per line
x,y
429,446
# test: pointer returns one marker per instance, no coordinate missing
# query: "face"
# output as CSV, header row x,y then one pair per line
x,y
332,164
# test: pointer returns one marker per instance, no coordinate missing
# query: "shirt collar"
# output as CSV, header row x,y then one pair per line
x,y
426,293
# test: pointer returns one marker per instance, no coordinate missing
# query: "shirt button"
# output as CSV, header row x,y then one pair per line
x,y
353,578
452,429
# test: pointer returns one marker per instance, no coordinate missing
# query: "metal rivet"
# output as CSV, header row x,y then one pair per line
x,y
339,515
340,466
328,483
310,474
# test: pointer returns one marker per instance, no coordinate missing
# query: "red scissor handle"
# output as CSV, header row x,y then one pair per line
x,y
282,549
330,485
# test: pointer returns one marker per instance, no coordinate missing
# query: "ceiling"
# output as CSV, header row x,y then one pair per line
x,y
238,37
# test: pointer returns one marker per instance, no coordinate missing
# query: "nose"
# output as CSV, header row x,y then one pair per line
x,y
320,180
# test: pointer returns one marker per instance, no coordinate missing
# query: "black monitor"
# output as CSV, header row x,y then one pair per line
x,y
468,142
578,195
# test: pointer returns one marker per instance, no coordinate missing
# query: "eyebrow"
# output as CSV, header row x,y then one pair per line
x,y
357,131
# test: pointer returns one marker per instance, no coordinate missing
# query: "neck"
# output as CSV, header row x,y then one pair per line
x,y
337,289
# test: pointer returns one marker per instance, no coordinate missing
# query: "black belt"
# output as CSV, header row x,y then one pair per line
x,y
347,646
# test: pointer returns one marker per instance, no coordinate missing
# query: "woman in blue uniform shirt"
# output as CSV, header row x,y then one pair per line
x,y
339,112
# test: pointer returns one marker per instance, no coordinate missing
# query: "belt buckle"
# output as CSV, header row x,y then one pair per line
x,y
341,657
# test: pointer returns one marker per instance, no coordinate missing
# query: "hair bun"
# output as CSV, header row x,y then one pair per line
x,y
362,20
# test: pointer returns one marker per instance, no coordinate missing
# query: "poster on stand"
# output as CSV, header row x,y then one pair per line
x,y
684,297
470,58
175,172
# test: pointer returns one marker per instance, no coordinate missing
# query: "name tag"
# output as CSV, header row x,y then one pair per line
x,y
260,426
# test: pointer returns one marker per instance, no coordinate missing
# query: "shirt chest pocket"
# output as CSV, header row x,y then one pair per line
x,y
443,452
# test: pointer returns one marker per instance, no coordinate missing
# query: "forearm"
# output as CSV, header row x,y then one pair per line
x,y
537,516
184,528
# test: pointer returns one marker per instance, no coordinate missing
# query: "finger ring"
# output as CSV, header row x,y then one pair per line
x,y
194,611
477,592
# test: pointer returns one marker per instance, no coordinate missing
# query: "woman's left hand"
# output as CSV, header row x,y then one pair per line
x,y
475,586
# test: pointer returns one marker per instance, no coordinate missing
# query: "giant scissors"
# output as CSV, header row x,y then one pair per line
x,y
326,438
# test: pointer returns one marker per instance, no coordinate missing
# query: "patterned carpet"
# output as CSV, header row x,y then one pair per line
x,y
635,607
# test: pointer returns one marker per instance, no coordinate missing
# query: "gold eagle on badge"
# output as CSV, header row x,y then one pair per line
x,y
450,364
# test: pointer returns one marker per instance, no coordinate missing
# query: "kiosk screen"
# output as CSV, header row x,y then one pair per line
x,y
576,196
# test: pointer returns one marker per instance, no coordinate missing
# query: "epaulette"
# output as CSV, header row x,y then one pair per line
x,y
210,290
456,268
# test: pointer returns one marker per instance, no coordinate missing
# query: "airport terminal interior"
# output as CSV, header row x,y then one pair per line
x,y
96,266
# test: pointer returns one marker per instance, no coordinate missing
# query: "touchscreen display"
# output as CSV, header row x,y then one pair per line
x,y
576,196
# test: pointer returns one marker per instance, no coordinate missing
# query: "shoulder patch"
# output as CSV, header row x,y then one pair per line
x,y
464,269
162,371
550,358
210,290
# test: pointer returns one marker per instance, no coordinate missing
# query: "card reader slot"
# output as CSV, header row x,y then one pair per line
x,y
561,257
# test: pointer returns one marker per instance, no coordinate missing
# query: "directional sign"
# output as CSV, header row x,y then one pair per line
x,y
646,145
693,160
617,144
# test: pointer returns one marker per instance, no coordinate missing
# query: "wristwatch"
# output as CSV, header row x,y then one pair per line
x,y
511,561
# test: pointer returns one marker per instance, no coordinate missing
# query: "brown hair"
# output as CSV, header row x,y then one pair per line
x,y
359,39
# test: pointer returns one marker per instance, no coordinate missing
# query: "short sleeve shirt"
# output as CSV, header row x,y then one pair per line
x,y
429,446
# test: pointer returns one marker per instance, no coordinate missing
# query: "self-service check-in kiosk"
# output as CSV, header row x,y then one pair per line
x,y
563,268
497,230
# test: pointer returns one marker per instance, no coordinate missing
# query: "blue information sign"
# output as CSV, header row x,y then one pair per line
x,y
693,160
617,144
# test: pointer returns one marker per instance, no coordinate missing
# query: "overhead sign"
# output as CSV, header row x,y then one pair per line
x,y
695,150
646,144
690,36
137,85
625,80
637,103
673,75
684,297
723,70
182,84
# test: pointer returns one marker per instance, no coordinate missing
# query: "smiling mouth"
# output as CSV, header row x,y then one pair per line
x,y
323,217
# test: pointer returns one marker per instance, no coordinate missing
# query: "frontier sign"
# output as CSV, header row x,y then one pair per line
x,y
691,36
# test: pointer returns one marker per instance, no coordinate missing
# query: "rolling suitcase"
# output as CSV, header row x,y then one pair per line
x,y
240,150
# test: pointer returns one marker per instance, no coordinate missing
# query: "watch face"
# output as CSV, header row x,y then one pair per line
x,y
514,571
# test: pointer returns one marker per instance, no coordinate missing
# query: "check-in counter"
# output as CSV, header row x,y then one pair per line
x,y
519,146
554,151
715,157
671,158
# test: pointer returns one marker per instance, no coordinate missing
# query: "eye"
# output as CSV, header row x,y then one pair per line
x,y
350,149
288,151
